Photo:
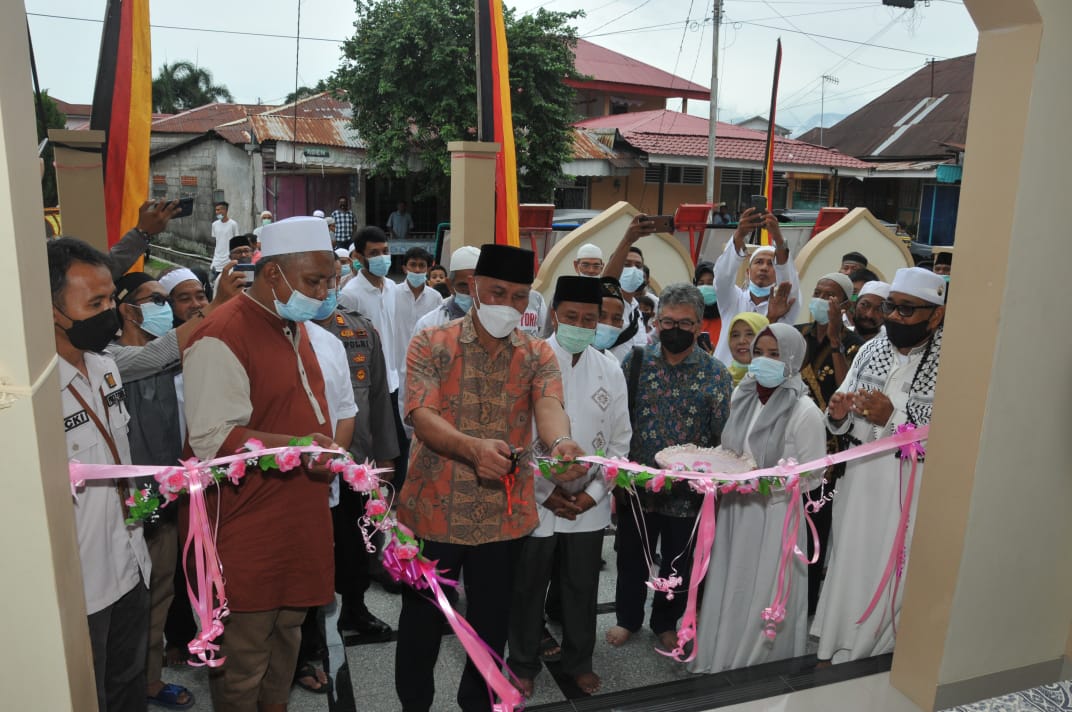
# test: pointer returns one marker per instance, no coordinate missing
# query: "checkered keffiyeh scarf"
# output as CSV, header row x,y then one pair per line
x,y
876,359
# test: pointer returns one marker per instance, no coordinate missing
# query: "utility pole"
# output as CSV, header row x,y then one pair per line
x,y
713,111
822,104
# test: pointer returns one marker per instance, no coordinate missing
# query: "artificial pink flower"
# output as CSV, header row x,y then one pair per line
x,y
406,552
288,459
176,481
375,507
254,445
337,465
610,472
131,502
655,484
358,477
236,471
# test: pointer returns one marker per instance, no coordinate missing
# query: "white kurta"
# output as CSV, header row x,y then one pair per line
x,y
743,575
732,300
597,406
866,511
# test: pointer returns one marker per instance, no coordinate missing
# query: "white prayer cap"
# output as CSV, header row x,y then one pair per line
x,y
879,289
318,214
266,213
464,258
298,234
590,252
765,250
343,253
920,283
841,280
176,277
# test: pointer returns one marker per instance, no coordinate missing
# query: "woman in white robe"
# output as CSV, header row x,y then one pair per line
x,y
771,417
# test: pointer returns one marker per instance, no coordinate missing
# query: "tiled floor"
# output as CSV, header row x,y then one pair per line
x,y
635,678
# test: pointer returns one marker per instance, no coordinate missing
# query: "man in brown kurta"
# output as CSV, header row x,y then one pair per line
x,y
250,372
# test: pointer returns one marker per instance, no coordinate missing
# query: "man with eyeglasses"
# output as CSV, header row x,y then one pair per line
x,y
589,262
830,349
891,383
677,394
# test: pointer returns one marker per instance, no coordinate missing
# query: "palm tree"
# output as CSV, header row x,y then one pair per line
x,y
183,85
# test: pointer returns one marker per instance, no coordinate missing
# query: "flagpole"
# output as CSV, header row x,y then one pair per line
x,y
712,119
768,163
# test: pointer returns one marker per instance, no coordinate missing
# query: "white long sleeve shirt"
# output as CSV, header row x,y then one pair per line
x,y
732,299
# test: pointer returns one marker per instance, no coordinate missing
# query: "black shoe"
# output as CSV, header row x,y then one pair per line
x,y
364,624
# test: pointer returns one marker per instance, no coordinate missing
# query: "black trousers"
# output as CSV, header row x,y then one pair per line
x,y
351,558
632,590
577,565
402,463
119,637
488,570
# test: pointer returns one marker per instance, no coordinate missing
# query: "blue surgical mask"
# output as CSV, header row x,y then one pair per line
x,y
820,310
464,301
606,335
327,307
768,372
156,319
574,339
299,307
946,278
758,291
416,279
219,216
346,271
380,265
631,279
709,294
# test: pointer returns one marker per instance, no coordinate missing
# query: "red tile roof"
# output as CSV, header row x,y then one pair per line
x,y
607,67
69,109
671,133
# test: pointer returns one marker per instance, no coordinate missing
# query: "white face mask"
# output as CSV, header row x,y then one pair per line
x,y
498,319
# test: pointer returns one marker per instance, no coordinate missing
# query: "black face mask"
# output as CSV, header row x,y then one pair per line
x,y
676,340
94,333
905,336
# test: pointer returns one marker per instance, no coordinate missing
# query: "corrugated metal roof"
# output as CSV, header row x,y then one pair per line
x,y
314,132
604,65
910,114
207,117
671,133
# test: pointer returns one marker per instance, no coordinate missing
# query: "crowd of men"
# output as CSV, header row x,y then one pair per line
x,y
457,378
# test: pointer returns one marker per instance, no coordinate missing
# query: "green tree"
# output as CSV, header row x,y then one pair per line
x,y
54,119
321,86
410,72
183,85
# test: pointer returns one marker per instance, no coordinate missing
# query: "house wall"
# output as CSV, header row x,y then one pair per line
x,y
603,193
235,178
192,233
589,104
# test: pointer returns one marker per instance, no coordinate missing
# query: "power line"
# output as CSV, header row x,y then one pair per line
x,y
624,14
842,39
192,29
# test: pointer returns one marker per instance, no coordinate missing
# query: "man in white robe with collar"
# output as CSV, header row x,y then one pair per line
x,y
891,383
572,515
773,284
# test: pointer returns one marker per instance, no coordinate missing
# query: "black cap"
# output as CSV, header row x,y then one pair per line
x,y
573,288
238,241
510,264
611,288
129,283
855,257
943,258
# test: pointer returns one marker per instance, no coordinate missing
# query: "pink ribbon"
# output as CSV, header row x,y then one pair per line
x,y
895,561
774,614
701,559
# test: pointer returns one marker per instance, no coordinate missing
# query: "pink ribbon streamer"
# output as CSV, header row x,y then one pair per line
x,y
701,559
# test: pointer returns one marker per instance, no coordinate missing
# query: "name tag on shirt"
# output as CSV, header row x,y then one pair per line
x,y
115,397
73,421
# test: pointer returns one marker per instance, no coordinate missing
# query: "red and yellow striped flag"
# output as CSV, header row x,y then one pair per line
x,y
123,109
768,161
497,103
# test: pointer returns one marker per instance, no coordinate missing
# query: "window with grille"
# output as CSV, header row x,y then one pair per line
x,y
679,175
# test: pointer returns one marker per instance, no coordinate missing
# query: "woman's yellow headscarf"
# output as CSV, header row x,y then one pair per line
x,y
758,322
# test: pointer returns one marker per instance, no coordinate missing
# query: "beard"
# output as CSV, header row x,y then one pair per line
x,y
867,327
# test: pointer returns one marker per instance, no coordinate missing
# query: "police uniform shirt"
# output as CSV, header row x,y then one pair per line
x,y
112,554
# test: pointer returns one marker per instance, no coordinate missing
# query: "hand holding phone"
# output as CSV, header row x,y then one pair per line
x,y
663,223
759,202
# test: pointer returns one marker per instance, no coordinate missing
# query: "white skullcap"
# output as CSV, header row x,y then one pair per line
x,y
299,234
176,277
343,253
266,213
590,252
464,258
920,283
766,249
318,214
879,289
841,280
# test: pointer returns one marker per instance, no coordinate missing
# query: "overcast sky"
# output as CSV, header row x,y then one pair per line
x,y
674,35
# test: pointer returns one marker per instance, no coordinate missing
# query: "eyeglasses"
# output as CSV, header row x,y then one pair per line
x,y
906,310
686,324
156,299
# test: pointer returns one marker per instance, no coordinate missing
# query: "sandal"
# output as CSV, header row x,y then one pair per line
x,y
311,672
170,695
550,650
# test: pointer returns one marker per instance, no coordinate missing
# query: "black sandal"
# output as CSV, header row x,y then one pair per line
x,y
309,670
